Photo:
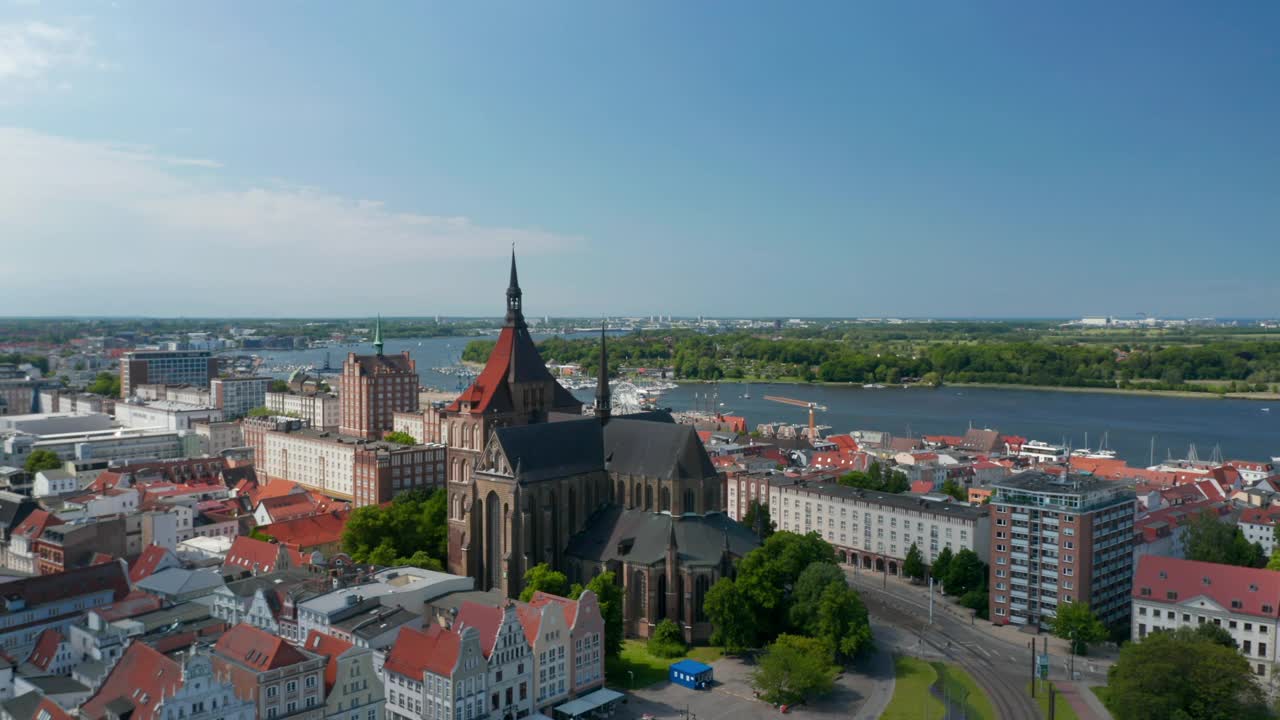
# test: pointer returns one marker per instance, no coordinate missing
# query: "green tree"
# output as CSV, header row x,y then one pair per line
x,y
941,565
1210,540
766,574
794,668
732,622
400,437
667,641
842,623
964,573
1074,621
806,594
105,383
913,567
757,510
42,460
609,596
931,378
541,578
394,535
955,490
1183,675
260,411
279,386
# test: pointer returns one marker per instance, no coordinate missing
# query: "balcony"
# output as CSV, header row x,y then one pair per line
x,y
1019,542
1018,594
1020,556
1021,517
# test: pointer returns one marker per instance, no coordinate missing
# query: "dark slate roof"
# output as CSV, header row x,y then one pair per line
x,y
640,537
14,509
546,451
636,445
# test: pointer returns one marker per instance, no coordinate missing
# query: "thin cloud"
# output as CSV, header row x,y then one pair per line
x,y
123,226
32,52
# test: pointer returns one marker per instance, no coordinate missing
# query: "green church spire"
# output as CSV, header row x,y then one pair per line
x,y
377,335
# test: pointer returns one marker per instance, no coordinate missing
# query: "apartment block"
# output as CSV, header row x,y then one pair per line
x,y
372,388
236,396
320,409
1057,539
875,530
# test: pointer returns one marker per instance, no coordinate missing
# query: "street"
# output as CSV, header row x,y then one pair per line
x,y
1001,668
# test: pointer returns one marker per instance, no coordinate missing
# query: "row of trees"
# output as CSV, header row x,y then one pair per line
x,y
962,575
1208,539
997,358
877,477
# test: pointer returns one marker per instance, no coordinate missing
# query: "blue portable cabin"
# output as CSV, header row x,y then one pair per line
x,y
691,674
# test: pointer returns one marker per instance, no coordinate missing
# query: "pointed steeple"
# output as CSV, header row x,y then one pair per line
x,y
377,335
515,311
604,399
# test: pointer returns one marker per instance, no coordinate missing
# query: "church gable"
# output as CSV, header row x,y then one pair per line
x,y
494,459
548,451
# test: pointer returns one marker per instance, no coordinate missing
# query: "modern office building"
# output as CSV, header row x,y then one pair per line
x,y
1058,539
172,367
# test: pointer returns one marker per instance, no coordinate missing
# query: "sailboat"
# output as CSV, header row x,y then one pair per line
x,y
747,395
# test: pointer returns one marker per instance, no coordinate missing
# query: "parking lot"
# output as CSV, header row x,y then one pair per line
x,y
732,697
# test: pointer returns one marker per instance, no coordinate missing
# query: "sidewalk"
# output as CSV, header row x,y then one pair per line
x,y
1086,705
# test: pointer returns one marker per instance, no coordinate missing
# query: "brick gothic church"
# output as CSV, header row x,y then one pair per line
x,y
531,480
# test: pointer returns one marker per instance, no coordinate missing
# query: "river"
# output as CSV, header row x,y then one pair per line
x,y
1241,428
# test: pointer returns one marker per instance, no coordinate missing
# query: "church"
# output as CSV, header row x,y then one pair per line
x,y
531,480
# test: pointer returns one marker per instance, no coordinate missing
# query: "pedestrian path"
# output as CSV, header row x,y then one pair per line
x,y
1086,705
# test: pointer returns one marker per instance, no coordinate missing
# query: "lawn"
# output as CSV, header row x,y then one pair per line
x,y
954,677
911,699
1061,708
646,668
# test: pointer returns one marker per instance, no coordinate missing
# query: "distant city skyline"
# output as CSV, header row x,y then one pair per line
x,y
986,161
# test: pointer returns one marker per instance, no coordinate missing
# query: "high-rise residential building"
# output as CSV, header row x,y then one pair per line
x,y
172,367
236,396
375,386
1058,539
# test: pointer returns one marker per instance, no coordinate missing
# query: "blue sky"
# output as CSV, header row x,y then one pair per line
x,y
851,159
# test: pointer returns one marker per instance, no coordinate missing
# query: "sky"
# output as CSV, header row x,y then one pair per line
x,y
914,159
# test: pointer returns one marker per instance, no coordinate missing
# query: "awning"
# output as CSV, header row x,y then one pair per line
x,y
587,703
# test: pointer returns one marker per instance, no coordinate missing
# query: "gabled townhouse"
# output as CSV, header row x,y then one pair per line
x,y
259,600
258,557
1170,592
21,552
148,685
281,680
1259,526
436,674
505,647
353,690
586,639
51,653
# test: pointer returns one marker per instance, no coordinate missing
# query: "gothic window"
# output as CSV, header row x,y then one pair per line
x,y
689,496
700,585
709,504
622,493
665,500
635,503
639,596
648,497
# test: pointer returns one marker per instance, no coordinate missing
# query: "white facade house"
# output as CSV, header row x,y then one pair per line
x,y
875,529
319,408
312,459
164,415
54,482
1259,526
1169,593
204,696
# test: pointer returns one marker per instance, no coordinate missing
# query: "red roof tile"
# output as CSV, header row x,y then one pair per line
x,y
258,649
514,358
143,676
288,507
47,709
1252,588
1261,516
570,607
258,555
417,651
135,603
310,531
33,525
486,619
330,647
149,561
46,648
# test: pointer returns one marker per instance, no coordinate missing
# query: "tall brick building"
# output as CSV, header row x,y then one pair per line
x,y
375,386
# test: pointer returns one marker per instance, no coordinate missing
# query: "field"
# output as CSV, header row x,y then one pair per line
x,y
1061,708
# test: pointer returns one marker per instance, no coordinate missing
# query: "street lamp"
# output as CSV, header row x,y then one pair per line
x,y
631,680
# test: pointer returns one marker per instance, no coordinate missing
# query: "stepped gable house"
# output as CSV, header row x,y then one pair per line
x,y
533,480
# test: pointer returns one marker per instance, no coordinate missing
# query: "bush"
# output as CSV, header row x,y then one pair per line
x,y
667,641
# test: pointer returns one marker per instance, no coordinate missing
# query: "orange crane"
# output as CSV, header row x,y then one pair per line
x,y
811,406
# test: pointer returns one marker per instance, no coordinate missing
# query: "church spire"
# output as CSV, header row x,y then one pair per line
x,y
377,335
515,313
604,400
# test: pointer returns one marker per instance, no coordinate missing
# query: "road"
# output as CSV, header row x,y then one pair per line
x,y
1000,668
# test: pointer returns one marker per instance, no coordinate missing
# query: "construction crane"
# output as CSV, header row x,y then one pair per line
x,y
813,433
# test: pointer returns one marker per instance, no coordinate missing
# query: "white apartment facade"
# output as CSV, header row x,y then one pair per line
x,y
321,409
312,459
1169,593
875,530
164,415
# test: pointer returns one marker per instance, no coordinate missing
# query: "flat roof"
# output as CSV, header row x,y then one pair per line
x,y
1065,484
589,702
334,437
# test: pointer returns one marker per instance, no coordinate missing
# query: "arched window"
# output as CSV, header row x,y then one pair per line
x,y
648,497
635,502
639,597
622,493
689,502
700,586
665,500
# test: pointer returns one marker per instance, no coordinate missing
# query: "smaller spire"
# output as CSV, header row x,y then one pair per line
x,y
515,303
604,399
377,335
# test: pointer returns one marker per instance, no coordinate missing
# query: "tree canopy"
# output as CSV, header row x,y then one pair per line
x,y
1183,674
878,478
955,490
965,573
941,564
794,668
412,530
541,578
42,460
913,566
667,641
1074,621
759,511
1208,539
400,437
106,384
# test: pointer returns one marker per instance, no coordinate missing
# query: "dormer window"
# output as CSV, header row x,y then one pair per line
x,y
1164,575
